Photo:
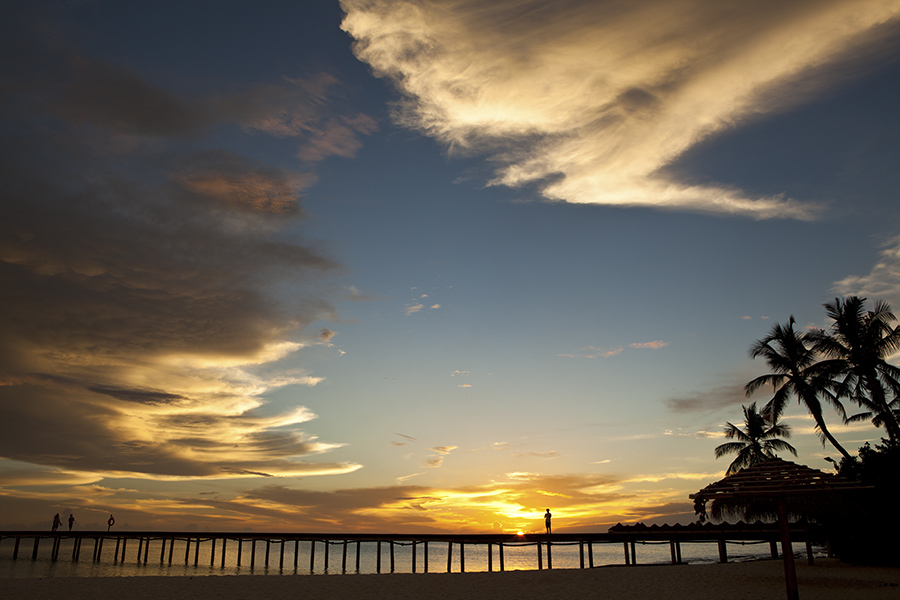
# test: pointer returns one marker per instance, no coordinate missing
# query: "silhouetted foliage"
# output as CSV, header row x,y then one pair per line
x,y
855,349
870,534
757,441
795,373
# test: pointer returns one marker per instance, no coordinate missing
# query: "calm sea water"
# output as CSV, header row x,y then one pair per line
x,y
516,557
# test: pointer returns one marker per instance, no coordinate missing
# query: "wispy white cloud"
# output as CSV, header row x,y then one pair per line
x,y
592,101
594,352
599,352
882,282
412,309
654,345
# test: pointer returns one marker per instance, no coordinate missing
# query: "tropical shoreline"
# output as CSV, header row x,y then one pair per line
x,y
828,579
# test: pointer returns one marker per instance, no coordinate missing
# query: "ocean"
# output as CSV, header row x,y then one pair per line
x,y
187,561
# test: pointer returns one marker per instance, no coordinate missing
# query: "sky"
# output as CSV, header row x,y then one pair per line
x,y
422,266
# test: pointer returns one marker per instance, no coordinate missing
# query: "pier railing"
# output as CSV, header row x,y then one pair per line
x,y
242,547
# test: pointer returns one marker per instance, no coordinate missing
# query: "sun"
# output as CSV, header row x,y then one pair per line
x,y
520,533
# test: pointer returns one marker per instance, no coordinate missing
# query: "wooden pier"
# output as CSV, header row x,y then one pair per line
x,y
141,547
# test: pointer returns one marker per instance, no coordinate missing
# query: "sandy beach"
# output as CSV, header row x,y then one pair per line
x,y
826,580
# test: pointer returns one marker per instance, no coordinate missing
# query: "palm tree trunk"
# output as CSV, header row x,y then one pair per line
x,y
831,438
816,411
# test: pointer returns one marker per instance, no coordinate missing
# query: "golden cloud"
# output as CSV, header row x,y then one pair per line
x,y
592,101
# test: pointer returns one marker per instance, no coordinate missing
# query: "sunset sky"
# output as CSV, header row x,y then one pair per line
x,y
413,266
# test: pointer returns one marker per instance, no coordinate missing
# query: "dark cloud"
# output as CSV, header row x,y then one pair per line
x,y
721,397
147,274
141,396
111,96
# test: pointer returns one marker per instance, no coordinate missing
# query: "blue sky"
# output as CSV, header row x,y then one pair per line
x,y
422,265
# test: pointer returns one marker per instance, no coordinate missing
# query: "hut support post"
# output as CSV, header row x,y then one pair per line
x,y
790,571
540,557
723,552
502,563
490,557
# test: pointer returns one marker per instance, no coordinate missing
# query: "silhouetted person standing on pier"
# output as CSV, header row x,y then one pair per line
x,y
56,522
72,521
547,516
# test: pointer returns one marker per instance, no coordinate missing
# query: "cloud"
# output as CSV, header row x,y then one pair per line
x,y
513,502
437,461
721,397
595,352
654,345
882,282
150,292
593,101
598,352
412,309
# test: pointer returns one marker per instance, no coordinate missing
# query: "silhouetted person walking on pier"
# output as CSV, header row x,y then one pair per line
x,y
71,521
547,516
56,522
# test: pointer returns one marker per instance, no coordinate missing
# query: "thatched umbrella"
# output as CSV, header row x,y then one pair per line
x,y
777,489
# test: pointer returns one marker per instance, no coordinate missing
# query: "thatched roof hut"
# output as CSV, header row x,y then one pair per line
x,y
776,488
755,492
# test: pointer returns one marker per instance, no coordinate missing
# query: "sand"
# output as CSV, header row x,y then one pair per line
x,y
828,579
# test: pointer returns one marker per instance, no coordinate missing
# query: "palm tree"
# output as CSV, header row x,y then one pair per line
x,y
856,346
795,373
756,442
